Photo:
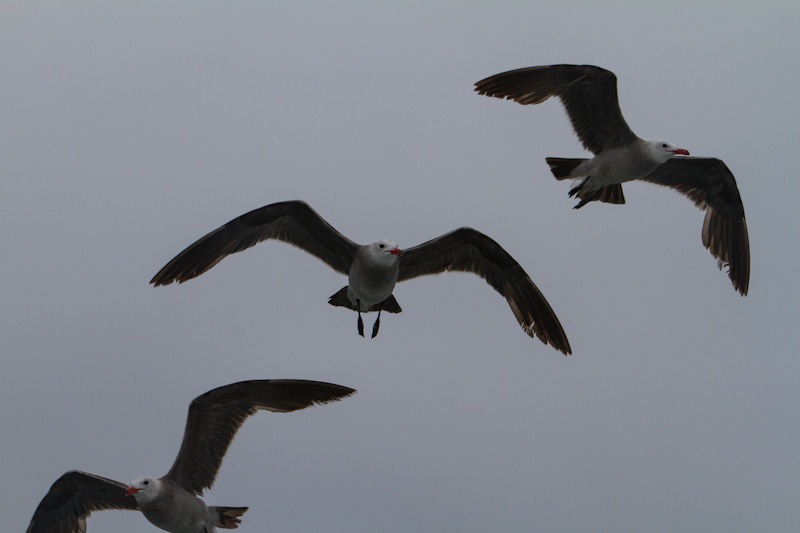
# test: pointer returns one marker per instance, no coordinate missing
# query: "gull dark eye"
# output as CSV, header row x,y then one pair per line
x,y
382,246
663,146
146,482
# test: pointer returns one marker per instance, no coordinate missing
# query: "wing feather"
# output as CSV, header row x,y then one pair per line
x,y
711,186
588,93
216,416
73,497
293,222
468,250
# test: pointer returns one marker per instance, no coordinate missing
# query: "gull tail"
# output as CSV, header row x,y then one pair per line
x,y
610,194
389,305
228,517
587,190
340,299
562,167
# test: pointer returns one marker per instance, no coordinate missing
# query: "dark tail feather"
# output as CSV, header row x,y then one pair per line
x,y
611,194
340,299
561,167
389,305
228,517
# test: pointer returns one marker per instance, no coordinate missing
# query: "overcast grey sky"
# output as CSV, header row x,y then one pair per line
x,y
130,129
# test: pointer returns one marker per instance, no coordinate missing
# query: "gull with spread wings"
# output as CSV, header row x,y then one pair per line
x,y
589,95
171,502
374,269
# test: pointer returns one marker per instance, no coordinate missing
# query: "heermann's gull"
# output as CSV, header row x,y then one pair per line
x,y
374,269
171,502
589,95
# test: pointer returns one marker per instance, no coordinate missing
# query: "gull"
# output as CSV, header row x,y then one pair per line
x,y
171,502
589,95
374,269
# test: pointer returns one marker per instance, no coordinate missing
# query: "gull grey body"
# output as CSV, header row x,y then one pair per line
x,y
371,280
192,515
372,276
172,502
159,508
373,270
589,95
172,508
619,165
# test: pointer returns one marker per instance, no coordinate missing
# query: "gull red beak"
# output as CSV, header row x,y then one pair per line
x,y
132,490
680,151
396,251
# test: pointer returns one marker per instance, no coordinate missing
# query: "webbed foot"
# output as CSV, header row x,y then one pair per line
x,y
377,325
360,321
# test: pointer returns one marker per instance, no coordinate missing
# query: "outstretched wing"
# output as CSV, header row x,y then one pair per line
x,y
73,497
711,186
588,93
468,250
293,222
216,416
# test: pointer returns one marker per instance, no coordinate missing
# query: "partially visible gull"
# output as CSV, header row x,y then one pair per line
x,y
171,502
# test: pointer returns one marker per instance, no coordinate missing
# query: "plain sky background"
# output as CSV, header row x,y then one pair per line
x,y
130,129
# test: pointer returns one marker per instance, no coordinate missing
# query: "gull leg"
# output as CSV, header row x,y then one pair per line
x,y
575,190
589,197
377,323
360,322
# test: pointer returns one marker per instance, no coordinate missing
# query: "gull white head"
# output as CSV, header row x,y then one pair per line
x,y
385,251
662,151
144,489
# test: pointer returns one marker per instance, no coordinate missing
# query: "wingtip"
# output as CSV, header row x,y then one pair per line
x,y
741,286
728,241
561,345
159,280
341,392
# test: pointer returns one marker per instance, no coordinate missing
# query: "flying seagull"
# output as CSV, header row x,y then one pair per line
x,y
589,95
171,502
374,269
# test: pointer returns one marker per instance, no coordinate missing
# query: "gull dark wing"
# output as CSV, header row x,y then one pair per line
x,y
588,93
711,186
73,497
216,416
293,222
468,250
